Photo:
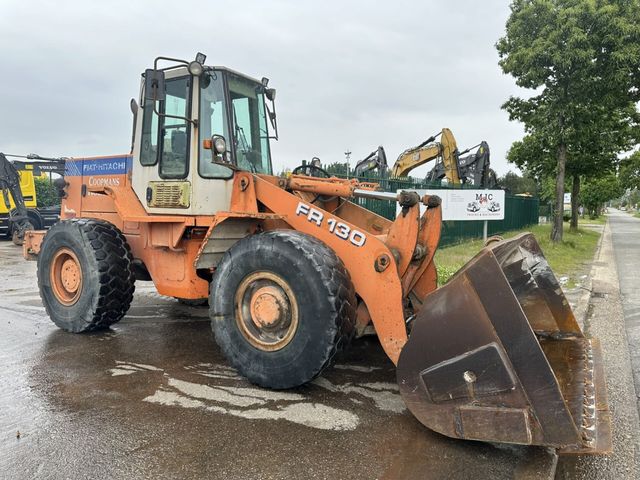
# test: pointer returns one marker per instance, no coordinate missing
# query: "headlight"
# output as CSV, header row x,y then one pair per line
x,y
195,69
219,144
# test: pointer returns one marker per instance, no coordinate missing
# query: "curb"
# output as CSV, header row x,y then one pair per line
x,y
582,307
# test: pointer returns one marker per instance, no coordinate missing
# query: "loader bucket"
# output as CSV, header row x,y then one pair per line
x,y
497,355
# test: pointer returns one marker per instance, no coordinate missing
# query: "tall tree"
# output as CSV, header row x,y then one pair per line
x,y
630,171
582,58
599,191
515,184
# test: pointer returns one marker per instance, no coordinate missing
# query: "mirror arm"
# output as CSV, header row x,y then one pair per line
x,y
155,110
273,120
169,59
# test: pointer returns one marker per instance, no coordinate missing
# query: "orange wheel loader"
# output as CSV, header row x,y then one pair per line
x,y
293,270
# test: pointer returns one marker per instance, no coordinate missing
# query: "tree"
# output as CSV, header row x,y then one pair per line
x,y
46,192
514,183
634,198
582,57
599,191
338,168
630,171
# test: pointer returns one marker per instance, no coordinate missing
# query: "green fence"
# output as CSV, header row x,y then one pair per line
x,y
519,212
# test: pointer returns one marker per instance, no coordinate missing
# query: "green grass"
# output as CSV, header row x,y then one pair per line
x,y
568,259
637,214
600,220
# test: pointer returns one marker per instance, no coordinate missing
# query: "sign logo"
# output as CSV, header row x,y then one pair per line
x,y
463,204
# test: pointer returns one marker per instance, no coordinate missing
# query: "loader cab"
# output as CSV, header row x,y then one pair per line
x,y
193,131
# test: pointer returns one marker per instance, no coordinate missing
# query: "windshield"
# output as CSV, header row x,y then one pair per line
x,y
250,135
212,122
246,132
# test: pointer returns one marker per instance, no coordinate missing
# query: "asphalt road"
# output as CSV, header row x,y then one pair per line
x,y
154,398
625,231
608,319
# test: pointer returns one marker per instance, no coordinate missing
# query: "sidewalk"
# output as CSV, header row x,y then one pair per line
x,y
605,320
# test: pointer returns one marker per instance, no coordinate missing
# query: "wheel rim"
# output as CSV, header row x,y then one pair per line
x,y
66,276
266,311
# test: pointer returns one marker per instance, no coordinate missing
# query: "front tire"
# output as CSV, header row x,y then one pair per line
x,y
282,305
84,275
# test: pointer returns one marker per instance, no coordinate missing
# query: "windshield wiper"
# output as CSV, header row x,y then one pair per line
x,y
241,138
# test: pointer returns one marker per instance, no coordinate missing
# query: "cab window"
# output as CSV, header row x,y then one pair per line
x,y
149,143
174,132
166,138
249,124
213,121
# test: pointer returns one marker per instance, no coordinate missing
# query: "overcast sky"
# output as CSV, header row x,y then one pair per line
x,y
349,75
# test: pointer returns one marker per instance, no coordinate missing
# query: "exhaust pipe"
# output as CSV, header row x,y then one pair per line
x,y
497,355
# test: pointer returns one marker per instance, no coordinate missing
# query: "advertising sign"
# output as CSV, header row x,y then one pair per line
x,y
469,204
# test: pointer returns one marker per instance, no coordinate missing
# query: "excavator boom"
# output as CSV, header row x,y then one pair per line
x,y
10,185
446,150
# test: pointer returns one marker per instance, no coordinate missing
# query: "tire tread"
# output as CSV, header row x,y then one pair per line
x,y
116,278
336,285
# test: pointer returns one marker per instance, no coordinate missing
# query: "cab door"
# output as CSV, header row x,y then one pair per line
x,y
165,174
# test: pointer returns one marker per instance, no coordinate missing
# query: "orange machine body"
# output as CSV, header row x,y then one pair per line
x,y
387,260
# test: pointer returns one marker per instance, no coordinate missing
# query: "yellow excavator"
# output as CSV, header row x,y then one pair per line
x,y
446,149
20,209
473,169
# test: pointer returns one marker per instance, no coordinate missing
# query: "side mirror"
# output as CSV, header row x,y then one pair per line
x,y
270,93
154,85
134,106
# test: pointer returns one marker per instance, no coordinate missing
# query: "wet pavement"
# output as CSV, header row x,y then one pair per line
x,y
154,398
610,317
626,241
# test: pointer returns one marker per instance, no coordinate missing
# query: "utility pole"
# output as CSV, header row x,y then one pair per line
x,y
347,154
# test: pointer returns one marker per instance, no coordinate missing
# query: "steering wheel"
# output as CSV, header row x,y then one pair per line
x,y
308,167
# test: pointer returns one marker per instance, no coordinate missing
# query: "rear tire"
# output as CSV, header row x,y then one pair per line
x,y
282,305
84,275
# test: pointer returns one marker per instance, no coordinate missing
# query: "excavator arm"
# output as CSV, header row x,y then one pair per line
x,y
375,160
10,186
475,169
19,220
446,150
